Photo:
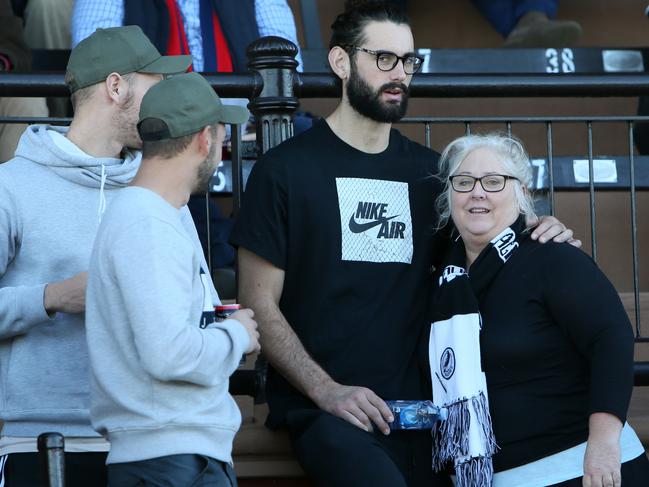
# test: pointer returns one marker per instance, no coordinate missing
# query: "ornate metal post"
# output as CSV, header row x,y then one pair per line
x,y
273,58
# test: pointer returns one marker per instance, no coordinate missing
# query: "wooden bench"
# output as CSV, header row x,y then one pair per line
x,y
258,451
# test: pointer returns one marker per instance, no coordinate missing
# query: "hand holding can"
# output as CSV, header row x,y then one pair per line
x,y
243,316
223,311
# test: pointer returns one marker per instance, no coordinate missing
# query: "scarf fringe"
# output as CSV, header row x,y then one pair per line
x,y
481,408
452,441
475,472
451,436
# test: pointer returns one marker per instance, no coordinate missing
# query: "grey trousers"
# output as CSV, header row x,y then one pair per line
x,y
48,24
10,132
172,471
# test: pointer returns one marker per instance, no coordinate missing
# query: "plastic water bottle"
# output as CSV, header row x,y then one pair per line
x,y
415,415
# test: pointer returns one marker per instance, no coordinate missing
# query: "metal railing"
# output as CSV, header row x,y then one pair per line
x,y
274,87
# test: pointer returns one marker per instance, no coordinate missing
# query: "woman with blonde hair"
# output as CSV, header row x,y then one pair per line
x,y
530,348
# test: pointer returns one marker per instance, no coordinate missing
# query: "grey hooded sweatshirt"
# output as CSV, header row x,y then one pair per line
x,y
51,203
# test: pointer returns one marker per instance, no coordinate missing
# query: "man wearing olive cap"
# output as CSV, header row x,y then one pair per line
x,y
160,365
52,195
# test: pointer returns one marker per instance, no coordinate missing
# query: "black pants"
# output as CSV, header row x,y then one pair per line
x,y
172,471
334,453
81,470
635,473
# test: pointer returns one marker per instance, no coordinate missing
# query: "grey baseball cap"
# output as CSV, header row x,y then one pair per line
x,y
186,103
120,50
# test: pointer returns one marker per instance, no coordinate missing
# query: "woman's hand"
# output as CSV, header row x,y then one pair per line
x,y
602,459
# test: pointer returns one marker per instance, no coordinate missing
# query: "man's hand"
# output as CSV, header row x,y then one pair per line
x,y
244,316
549,228
357,405
68,296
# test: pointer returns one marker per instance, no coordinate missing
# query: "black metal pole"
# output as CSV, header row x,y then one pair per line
x,y
51,452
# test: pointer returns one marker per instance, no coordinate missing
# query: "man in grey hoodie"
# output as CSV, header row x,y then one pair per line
x,y
52,196
160,364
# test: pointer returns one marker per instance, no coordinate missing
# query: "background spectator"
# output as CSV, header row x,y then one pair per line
x,y
14,56
47,24
187,26
527,23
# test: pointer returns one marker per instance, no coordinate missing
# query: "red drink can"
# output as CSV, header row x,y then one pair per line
x,y
223,311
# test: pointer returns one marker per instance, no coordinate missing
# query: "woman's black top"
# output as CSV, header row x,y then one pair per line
x,y
556,346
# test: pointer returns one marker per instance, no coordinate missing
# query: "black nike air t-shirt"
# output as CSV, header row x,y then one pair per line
x,y
353,233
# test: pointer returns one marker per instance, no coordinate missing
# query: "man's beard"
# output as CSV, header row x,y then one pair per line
x,y
205,172
369,104
127,119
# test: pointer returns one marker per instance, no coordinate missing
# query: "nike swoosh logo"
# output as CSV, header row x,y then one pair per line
x,y
363,227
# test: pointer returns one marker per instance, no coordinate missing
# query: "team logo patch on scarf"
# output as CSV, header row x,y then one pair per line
x,y
447,363
466,438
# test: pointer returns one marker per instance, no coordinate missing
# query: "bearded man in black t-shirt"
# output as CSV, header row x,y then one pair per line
x,y
335,244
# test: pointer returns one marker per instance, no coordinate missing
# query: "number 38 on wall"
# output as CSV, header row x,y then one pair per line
x,y
559,61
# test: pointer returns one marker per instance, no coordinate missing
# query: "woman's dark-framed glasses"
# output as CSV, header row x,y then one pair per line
x,y
491,183
387,60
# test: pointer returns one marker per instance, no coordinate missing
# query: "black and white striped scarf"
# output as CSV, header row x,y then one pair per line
x,y
459,384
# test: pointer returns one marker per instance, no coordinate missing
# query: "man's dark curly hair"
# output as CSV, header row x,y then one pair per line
x,y
347,29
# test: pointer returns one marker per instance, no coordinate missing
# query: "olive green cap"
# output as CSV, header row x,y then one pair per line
x,y
186,104
120,50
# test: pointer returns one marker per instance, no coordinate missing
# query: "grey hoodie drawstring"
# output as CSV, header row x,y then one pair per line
x,y
102,196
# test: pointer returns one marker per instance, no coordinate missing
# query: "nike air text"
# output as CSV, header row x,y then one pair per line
x,y
376,213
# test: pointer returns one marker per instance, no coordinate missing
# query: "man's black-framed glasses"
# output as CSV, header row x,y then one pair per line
x,y
491,183
387,60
